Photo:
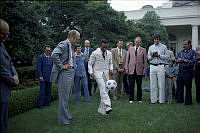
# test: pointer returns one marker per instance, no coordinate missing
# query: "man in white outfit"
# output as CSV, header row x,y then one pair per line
x,y
157,55
99,67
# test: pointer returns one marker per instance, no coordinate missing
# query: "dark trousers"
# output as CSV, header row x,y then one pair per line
x,y
89,83
197,81
126,84
138,78
4,117
184,79
45,94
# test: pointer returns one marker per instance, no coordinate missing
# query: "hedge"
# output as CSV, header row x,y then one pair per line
x,y
26,99
26,73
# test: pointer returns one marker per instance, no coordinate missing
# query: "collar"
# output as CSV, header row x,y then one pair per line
x,y
157,44
186,51
138,47
46,55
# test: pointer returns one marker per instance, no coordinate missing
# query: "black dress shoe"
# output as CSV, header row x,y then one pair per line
x,y
107,112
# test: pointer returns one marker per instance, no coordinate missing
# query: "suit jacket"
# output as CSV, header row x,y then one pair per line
x,y
90,51
97,65
140,61
44,67
115,58
61,55
6,77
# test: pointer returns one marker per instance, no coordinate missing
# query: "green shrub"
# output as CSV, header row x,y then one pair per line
x,y
26,99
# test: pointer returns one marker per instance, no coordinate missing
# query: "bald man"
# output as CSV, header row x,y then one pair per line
x,y
87,51
8,76
63,74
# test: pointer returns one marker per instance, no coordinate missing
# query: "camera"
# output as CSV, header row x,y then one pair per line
x,y
155,54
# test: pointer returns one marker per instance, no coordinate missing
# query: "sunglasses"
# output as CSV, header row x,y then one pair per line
x,y
5,33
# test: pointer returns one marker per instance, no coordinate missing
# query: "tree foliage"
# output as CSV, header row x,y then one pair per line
x,y
37,23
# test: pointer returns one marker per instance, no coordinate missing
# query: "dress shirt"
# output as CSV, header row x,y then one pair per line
x,y
120,55
137,49
71,62
189,55
162,50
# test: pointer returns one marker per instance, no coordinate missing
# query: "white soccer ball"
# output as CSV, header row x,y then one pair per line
x,y
111,84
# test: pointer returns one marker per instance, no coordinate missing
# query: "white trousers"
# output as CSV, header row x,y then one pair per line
x,y
157,73
105,99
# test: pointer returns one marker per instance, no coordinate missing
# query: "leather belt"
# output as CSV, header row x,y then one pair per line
x,y
157,64
71,67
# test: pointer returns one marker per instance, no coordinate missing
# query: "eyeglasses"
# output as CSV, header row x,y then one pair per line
x,y
5,33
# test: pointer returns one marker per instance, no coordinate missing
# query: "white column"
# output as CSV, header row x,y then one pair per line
x,y
194,36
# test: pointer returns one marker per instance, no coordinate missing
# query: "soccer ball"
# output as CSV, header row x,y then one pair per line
x,y
111,84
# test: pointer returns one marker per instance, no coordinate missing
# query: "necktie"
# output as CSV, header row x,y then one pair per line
x,y
103,54
120,56
136,51
86,55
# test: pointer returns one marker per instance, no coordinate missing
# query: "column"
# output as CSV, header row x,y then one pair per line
x,y
194,36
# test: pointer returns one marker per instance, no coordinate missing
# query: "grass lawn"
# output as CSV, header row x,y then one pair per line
x,y
125,118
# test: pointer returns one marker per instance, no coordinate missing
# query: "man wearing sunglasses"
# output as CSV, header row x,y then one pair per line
x,y
8,77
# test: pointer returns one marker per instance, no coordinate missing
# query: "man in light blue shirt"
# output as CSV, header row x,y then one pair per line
x,y
157,56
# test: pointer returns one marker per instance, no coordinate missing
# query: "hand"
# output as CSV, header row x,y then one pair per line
x,y
111,72
126,71
185,61
120,70
180,60
143,72
41,79
91,76
151,53
66,66
16,79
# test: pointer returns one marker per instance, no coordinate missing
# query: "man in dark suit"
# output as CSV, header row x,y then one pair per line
x,y
44,67
8,77
87,51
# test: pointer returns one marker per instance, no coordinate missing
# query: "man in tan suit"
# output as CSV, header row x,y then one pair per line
x,y
136,64
119,60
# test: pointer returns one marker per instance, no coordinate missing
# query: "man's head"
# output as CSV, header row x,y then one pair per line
x,y
186,44
73,36
157,38
138,41
103,45
4,30
129,44
120,44
87,43
78,48
47,50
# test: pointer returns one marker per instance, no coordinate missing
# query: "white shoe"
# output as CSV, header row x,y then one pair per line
x,y
139,101
130,101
